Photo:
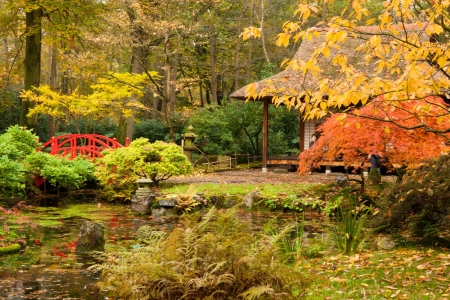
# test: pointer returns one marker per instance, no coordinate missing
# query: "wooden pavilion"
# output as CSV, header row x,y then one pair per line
x,y
289,82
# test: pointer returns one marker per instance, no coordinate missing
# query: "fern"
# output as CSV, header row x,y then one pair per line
x,y
214,256
257,292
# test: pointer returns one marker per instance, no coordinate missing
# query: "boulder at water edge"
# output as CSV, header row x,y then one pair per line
x,y
91,237
141,203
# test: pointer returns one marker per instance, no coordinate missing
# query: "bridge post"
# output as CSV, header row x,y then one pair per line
x,y
54,147
127,142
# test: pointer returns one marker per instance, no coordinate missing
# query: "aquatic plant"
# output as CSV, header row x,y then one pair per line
x,y
289,239
211,257
349,233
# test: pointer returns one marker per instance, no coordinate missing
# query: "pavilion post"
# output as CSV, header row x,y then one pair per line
x,y
265,145
301,136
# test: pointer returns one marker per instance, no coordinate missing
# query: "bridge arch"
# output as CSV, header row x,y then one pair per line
x,y
90,145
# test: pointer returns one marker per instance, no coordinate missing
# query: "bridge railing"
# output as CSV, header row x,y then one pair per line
x,y
90,145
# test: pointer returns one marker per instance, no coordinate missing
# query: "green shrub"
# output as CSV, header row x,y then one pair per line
x,y
17,143
154,130
421,201
119,168
60,171
12,177
374,176
214,257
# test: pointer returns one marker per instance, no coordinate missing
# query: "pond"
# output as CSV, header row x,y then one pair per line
x,y
49,267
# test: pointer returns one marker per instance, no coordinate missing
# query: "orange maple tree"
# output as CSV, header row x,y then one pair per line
x,y
399,135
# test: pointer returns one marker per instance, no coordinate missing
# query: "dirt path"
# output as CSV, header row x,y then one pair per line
x,y
257,176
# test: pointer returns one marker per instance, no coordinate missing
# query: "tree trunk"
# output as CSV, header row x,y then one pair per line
x,y
212,62
173,81
53,83
32,64
139,57
238,50
261,25
248,75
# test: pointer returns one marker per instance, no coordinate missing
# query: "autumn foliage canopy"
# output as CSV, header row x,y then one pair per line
x,y
352,136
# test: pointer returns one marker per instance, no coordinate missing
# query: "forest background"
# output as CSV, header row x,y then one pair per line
x,y
144,69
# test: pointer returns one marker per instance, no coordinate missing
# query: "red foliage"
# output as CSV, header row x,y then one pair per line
x,y
380,127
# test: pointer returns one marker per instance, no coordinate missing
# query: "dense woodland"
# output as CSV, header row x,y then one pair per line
x,y
104,66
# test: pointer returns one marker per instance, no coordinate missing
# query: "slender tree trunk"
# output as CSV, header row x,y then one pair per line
x,y
173,81
212,62
237,66
138,65
200,87
53,81
261,25
248,75
32,64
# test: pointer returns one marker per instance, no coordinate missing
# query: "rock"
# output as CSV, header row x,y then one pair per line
x,y
249,199
341,181
385,242
141,204
91,237
163,212
168,203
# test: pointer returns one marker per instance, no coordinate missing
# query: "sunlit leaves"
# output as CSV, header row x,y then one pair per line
x,y
403,57
113,97
251,32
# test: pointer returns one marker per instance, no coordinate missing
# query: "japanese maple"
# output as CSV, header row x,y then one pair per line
x,y
352,136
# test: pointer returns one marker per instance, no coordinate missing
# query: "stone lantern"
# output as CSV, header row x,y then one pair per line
x,y
188,145
143,197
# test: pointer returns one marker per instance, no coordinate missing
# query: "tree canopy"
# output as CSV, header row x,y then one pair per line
x,y
400,53
351,138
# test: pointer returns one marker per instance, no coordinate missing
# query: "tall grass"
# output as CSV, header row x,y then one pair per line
x,y
349,233
288,239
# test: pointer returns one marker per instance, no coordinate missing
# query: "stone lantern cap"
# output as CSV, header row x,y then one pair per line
x,y
190,133
144,182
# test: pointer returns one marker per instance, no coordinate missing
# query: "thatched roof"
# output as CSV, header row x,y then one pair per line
x,y
289,82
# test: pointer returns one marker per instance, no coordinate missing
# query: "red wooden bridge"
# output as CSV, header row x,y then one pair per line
x,y
90,145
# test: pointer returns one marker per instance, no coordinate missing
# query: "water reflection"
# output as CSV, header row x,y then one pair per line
x,y
51,270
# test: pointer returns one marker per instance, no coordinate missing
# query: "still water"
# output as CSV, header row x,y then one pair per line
x,y
49,268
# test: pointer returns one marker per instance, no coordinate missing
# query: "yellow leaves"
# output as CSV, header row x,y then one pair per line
x,y
339,60
434,29
359,10
283,39
387,130
326,51
442,61
251,91
304,11
250,32
385,19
